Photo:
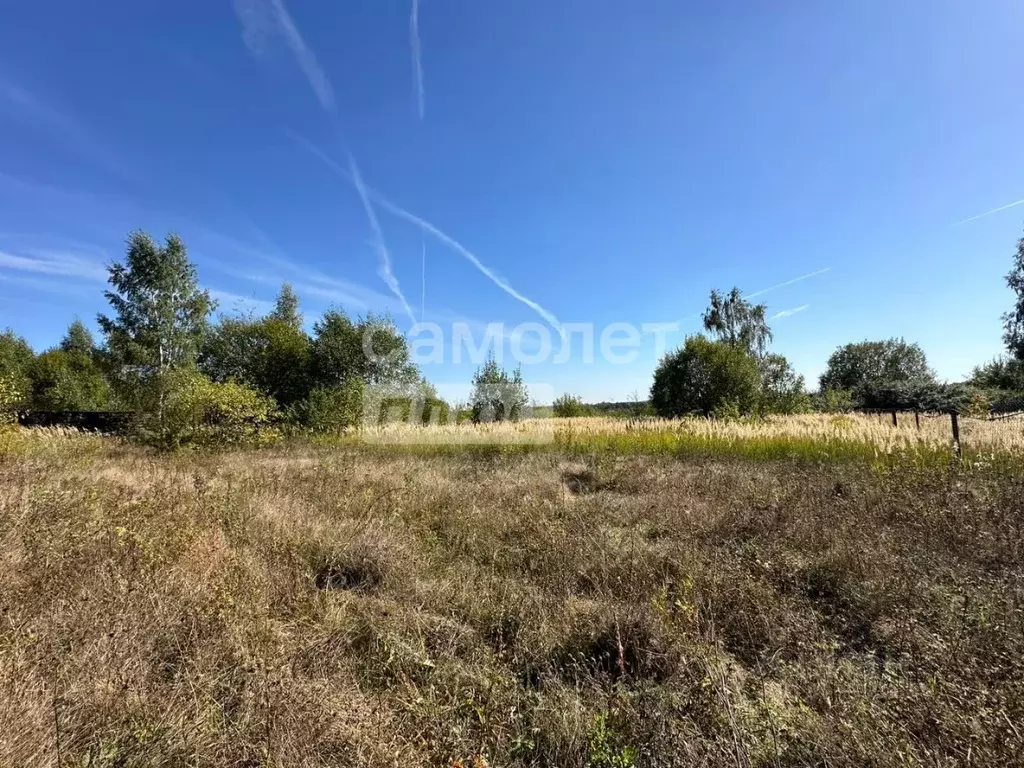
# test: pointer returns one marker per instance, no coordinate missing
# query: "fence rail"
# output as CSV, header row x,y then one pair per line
x,y
110,422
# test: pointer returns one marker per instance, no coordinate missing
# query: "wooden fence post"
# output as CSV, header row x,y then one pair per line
x,y
894,422
917,419
955,419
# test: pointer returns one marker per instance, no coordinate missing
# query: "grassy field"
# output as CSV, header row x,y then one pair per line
x,y
601,596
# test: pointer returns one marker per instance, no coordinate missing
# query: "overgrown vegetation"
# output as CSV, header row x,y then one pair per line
x,y
344,607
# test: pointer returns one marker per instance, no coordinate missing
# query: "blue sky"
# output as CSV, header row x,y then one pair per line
x,y
603,161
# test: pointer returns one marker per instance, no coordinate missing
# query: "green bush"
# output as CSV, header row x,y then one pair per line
x,y
569,406
67,381
183,408
832,400
10,397
705,377
331,410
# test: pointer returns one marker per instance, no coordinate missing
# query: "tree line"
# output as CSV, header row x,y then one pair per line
x,y
190,380
729,371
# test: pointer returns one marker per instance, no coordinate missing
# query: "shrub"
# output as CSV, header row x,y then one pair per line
x,y
702,377
498,396
831,400
67,381
331,410
569,406
183,408
10,397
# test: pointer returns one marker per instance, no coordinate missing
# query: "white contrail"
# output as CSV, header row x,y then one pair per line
x,y
263,18
259,18
456,246
417,56
989,213
788,282
789,312
429,228
384,270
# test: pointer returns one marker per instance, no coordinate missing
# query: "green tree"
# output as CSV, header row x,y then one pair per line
x,y
160,313
16,358
267,354
735,321
371,349
63,380
855,366
497,395
705,377
1013,321
286,308
1001,373
782,388
78,339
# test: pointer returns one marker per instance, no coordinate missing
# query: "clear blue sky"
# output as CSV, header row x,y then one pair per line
x,y
610,161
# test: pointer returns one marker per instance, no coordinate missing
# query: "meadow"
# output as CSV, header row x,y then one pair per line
x,y
812,590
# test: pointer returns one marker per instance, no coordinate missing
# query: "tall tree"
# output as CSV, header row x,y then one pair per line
x,y
737,322
286,308
78,339
782,388
1013,321
370,348
854,366
160,313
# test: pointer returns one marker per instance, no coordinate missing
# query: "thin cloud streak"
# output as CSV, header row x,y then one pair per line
x,y
384,270
417,57
808,276
789,312
261,18
989,213
56,264
469,256
68,131
429,228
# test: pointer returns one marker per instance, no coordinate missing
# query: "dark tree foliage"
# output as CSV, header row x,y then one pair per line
x,y
1013,321
782,388
922,396
1001,373
68,380
705,378
854,366
497,395
369,348
269,355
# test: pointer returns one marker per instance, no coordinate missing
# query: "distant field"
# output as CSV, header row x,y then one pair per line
x,y
581,605
816,437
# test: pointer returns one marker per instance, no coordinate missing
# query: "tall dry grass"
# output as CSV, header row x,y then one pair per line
x,y
337,606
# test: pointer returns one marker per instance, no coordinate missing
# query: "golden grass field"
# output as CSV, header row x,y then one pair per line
x,y
610,597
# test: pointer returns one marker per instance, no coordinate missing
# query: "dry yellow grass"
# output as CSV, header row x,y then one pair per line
x,y
338,606
811,434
